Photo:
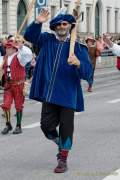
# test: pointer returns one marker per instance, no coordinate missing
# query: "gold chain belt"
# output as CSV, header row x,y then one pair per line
x,y
14,82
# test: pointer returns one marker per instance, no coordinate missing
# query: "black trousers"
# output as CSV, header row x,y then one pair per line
x,y
53,116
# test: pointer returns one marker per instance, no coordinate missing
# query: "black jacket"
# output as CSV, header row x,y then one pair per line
x,y
2,50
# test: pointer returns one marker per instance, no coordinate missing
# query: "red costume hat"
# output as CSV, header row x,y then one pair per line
x,y
11,44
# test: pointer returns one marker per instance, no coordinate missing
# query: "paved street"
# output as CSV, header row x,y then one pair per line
x,y
96,149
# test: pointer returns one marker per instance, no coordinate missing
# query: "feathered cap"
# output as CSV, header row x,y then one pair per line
x,y
62,16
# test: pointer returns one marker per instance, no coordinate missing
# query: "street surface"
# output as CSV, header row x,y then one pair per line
x,y
96,147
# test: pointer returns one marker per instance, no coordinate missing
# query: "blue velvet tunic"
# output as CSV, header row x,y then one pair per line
x,y
54,80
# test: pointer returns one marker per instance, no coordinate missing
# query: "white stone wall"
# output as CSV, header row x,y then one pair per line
x,y
0,17
12,16
104,4
112,4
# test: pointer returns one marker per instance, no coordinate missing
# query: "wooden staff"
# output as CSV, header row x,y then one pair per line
x,y
73,34
1,70
31,5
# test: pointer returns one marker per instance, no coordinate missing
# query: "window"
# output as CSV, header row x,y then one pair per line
x,y
21,12
108,20
116,21
88,19
4,16
97,20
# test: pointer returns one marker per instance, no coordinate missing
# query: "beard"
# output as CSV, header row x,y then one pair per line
x,y
62,32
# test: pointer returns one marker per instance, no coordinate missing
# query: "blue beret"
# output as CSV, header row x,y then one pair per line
x,y
61,17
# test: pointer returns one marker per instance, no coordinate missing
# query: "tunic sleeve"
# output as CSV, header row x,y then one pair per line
x,y
33,34
116,49
85,70
24,55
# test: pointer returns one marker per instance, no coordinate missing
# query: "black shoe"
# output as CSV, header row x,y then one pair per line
x,y
6,129
58,156
61,167
18,130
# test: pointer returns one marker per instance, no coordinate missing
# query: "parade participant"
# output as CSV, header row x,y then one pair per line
x,y
55,82
17,55
115,49
90,41
32,66
2,53
2,49
113,46
100,45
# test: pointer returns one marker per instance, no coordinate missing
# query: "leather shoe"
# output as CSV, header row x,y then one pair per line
x,y
17,130
6,129
61,167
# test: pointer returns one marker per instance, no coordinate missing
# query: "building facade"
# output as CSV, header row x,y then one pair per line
x,y
97,16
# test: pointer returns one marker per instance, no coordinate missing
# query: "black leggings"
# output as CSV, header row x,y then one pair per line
x,y
54,115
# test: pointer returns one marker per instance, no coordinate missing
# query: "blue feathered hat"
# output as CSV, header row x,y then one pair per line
x,y
62,16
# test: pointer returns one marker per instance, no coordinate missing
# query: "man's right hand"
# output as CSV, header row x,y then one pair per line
x,y
107,40
43,16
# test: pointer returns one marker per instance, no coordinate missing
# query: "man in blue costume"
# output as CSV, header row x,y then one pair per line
x,y
55,82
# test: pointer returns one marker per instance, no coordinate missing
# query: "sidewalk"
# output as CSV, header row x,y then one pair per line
x,y
106,62
105,70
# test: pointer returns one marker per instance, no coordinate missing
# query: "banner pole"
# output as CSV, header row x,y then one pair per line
x,y
26,17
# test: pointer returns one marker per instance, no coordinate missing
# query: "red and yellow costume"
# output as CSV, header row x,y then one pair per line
x,y
14,73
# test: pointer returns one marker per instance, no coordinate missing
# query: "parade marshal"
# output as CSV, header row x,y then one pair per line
x,y
56,83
